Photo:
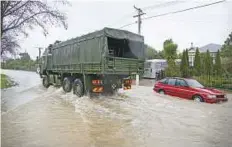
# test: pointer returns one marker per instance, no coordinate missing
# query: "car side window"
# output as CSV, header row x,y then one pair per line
x,y
164,81
180,82
171,81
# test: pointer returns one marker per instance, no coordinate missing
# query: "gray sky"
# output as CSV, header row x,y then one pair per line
x,y
201,26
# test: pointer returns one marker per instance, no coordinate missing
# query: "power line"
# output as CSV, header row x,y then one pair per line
x,y
148,8
127,25
174,12
162,5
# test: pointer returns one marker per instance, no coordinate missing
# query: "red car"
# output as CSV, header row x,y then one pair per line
x,y
189,89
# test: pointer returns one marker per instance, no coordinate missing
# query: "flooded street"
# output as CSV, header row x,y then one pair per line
x,y
35,116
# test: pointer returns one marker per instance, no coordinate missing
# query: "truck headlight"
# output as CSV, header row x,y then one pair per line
x,y
212,96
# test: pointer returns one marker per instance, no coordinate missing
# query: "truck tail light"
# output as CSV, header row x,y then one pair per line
x,y
98,89
128,82
127,87
97,82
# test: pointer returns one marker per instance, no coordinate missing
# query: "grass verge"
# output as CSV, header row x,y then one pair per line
x,y
5,81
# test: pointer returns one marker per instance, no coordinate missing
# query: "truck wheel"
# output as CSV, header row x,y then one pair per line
x,y
67,84
78,88
46,82
114,91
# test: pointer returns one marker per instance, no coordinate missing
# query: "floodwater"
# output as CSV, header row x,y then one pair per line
x,y
37,117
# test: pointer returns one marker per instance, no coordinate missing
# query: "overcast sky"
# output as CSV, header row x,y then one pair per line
x,y
201,26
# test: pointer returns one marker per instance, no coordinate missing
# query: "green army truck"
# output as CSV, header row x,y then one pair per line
x,y
102,61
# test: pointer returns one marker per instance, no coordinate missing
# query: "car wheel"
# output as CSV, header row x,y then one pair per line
x,y
161,92
197,98
67,84
78,88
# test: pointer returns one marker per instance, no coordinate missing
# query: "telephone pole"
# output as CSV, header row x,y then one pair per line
x,y
39,52
140,13
39,48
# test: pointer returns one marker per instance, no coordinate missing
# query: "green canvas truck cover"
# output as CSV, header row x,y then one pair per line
x,y
92,47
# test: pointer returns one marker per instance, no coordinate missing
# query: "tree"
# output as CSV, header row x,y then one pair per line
x,y
226,50
170,54
208,62
19,16
170,49
152,53
179,55
187,57
184,67
172,70
218,65
9,44
226,53
23,63
197,63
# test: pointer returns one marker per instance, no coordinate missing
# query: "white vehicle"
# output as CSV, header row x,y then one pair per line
x,y
153,66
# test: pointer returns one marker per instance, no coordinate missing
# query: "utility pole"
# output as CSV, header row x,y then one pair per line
x,y
39,52
38,59
140,13
39,48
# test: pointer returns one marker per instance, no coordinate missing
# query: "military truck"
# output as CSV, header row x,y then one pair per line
x,y
98,62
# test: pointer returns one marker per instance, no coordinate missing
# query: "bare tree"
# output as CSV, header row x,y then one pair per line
x,y
9,45
19,16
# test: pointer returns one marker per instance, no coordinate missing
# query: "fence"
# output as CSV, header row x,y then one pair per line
x,y
224,82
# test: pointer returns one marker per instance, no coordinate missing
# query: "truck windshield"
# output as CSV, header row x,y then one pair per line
x,y
125,48
194,83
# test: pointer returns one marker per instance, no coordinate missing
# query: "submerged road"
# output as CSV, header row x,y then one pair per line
x,y
35,116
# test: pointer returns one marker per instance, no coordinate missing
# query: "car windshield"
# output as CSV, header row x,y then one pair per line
x,y
194,83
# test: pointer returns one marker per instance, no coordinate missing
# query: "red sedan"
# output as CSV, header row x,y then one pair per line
x,y
189,89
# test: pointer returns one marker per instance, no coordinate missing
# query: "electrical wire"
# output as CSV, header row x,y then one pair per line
x,y
127,25
161,5
174,12
148,8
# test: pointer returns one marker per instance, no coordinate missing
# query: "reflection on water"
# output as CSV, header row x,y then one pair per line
x,y
137,117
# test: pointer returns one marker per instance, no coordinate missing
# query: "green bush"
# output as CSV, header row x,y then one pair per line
x,y
215,81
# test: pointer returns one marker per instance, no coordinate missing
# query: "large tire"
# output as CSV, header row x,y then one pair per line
x,y
78,88
198,98
46,83
67,84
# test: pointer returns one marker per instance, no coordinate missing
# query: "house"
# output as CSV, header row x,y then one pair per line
x,y
24,56
213,49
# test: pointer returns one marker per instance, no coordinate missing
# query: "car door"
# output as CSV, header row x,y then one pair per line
x,y
170,87
183,89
